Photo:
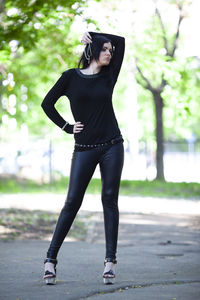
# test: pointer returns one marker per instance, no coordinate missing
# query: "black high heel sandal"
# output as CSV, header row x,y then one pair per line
x,y
50,277
109,277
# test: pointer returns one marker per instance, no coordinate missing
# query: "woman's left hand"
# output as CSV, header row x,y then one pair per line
x,y
86,39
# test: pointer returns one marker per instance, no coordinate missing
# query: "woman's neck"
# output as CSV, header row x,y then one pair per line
x,y
93,68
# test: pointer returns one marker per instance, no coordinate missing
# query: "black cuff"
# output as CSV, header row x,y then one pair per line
x,y
69,128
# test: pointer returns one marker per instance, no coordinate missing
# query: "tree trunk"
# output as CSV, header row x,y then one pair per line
x,y
159,135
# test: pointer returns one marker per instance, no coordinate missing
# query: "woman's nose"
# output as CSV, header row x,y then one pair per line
x,y
108,53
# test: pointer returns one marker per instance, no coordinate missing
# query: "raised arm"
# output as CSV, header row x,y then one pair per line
x,y
117,59
48,104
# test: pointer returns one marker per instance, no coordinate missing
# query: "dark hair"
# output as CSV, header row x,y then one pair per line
x,y
96,48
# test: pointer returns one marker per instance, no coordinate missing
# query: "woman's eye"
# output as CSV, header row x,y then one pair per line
x,y
104,49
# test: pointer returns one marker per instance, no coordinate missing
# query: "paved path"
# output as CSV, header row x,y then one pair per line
x,y
158,257
54,202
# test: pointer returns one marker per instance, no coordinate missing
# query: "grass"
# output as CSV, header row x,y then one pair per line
x,y
36,224
128,187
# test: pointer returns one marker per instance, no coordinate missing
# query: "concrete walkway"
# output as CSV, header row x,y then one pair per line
x,y
54,202
158,254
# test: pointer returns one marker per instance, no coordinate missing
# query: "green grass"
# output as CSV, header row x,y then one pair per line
x,y
158,188
130,188
36,224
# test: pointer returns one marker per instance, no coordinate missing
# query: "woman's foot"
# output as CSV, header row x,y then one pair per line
x,y
50,270
109,271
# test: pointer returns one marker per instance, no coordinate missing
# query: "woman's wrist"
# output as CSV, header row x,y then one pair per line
x,y
69,128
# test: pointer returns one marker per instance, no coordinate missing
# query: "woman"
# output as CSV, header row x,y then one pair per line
x,y
98,140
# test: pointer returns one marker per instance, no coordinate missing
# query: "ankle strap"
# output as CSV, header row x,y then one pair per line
x,y
51,260
113,260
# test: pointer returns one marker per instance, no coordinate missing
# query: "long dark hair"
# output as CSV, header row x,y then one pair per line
x,y
93,50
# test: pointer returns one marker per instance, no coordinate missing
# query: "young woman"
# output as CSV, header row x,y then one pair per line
x,y
98,140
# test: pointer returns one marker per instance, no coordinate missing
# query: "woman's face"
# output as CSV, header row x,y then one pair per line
x,y
105,55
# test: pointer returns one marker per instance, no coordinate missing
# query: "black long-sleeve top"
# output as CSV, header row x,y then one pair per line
x,y
90,98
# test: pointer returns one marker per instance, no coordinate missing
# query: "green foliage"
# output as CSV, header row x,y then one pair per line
x,y
46,46
153,52
24,21
127,187
36,46
181,99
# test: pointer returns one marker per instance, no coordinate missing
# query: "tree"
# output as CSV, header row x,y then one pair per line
x,y
35,44
27,21
158,53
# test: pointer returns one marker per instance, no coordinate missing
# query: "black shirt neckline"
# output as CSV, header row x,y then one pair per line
x,y
87,75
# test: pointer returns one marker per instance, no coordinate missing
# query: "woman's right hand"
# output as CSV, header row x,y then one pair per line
x,y
86,39
78,127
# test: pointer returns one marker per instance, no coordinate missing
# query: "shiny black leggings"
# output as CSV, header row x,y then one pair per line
x,y
110,159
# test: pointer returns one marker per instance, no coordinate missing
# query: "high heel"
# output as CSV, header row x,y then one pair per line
x,y
109,276
50,277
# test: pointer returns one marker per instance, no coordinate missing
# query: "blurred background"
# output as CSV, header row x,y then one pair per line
x,y
156,99
157,105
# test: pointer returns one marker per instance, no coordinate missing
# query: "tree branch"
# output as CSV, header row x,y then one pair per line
x,y
175,43
148,84
163,83
163,30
